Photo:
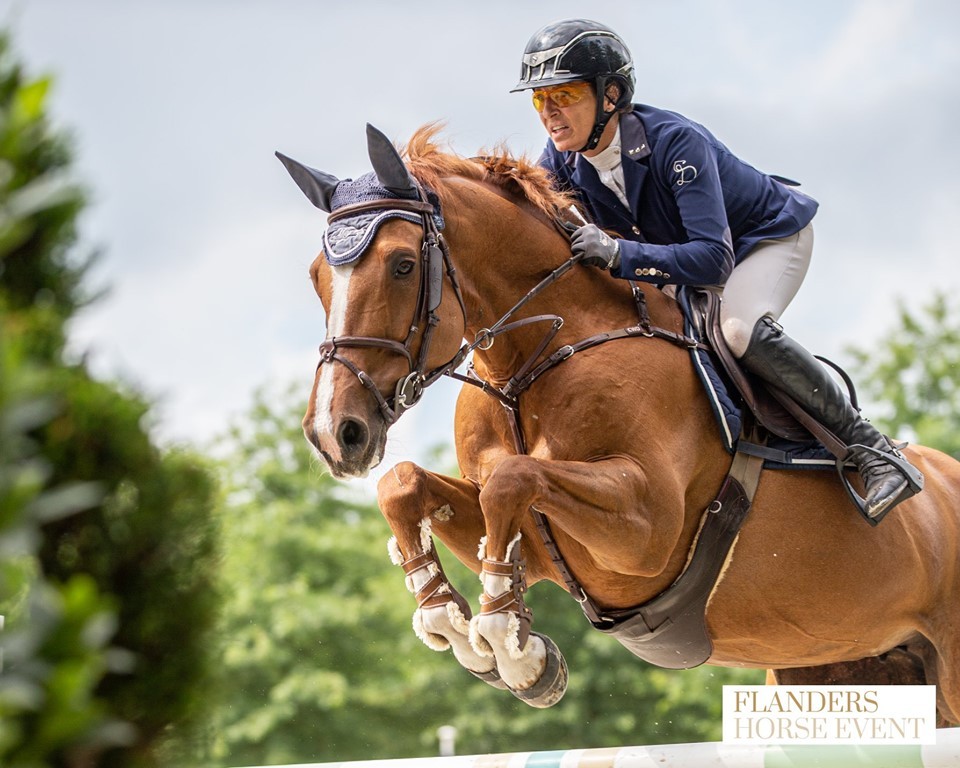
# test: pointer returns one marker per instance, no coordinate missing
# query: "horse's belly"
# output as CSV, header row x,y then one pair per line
x,y
800,594
781,650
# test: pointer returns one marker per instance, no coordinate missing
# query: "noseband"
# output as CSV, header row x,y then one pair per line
x,y
434,259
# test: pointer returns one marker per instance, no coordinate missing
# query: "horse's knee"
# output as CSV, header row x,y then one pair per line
x,y
400,498
514,484
399,483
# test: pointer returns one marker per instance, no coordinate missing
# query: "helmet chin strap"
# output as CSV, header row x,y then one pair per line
x,y
603,117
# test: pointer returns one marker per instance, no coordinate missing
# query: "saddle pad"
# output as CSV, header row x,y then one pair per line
x,y
727,404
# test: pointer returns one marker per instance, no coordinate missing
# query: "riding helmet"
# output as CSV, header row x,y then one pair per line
x,y
579,49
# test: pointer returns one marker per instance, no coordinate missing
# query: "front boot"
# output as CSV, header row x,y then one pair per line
x,y
784,364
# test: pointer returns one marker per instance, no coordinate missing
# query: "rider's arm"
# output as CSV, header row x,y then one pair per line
x,y
686,164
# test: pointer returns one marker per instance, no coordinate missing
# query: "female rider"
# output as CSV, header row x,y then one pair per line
x,y
690,213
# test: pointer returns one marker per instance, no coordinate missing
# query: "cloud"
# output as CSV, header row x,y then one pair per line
x,y
201,335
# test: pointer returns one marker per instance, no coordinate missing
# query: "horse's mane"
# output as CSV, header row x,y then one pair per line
x,y
519,177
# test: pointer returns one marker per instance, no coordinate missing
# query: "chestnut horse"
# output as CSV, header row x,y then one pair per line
x,y
621,453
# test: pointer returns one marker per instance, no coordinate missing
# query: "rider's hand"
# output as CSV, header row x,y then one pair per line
x,y
595,247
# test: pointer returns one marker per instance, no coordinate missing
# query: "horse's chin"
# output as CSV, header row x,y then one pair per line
x,y
351,470
355,468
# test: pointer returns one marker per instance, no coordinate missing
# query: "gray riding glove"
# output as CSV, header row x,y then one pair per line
x,y
595,247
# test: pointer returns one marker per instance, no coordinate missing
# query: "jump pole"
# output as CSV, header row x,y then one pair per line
x,y
944,754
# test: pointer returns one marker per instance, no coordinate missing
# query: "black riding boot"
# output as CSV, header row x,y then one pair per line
x,y
781,362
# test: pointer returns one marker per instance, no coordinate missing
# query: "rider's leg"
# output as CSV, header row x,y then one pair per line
x,y
763,285
758,291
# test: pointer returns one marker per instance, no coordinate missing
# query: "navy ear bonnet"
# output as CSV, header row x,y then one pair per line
x,y
346,239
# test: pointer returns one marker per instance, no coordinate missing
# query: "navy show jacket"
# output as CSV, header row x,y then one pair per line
x,y
696,209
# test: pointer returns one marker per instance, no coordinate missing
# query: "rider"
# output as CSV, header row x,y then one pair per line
x,y
689,212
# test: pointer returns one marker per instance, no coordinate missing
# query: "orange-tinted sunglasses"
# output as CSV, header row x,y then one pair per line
x,y
562,95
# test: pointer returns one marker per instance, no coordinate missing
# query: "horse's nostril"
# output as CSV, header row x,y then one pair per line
x,y
352,435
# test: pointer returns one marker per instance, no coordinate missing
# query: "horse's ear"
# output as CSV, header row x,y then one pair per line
x,y
316,185
388,165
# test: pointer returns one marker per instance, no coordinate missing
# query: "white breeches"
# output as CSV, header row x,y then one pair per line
x,y
763,284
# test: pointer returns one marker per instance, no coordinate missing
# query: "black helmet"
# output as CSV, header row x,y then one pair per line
x,y
579,49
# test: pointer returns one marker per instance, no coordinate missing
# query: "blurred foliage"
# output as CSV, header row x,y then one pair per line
x,y
108,543
911,377
55,648
319,659
150,543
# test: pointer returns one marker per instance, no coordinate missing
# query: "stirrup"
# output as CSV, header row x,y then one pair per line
x,y
913,476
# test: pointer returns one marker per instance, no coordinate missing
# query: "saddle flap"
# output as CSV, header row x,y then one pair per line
x,y
766,408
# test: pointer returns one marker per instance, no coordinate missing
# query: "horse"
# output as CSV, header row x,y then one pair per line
x,y
597,470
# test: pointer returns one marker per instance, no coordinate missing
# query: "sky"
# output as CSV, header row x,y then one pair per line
x,y
175,109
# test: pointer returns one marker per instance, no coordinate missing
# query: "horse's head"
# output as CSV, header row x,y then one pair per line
x,y
390,324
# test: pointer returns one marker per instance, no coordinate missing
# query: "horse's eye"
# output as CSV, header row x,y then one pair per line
x,y
404,268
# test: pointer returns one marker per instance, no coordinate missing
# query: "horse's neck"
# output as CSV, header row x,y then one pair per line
x,y
503,252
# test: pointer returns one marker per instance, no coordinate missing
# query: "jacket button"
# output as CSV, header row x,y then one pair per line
x,y
636,230
638,272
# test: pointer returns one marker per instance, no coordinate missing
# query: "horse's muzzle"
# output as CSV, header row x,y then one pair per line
x,y
352,448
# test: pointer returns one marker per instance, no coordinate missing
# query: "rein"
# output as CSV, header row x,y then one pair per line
x,y
530,371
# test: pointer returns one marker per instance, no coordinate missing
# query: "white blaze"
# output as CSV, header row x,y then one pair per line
x,y
340,289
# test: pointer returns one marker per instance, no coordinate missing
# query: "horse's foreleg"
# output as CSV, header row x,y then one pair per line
x,y
530,664
599,504
417,503
596,503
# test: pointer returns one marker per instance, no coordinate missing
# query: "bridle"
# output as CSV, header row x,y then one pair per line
x,y
434,259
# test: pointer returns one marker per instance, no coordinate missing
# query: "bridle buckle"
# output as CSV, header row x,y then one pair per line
x,y
409,391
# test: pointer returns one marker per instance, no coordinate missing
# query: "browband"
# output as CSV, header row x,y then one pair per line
x,y
399,204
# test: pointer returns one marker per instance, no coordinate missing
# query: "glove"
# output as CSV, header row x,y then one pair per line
x,y
595,247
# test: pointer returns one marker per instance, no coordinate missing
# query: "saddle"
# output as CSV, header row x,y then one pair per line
x,y
773,410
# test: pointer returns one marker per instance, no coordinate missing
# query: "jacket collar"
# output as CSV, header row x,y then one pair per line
x,y
633,137
633,141
633,146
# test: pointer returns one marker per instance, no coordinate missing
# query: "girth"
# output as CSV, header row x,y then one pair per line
x,y
671,630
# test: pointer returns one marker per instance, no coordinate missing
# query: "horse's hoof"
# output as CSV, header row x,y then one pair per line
x,y
490,678
551,686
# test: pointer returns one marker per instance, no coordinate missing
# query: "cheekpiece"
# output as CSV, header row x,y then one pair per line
x,y
345,240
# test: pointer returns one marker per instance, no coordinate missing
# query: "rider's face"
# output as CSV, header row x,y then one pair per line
x,y
569,112
568,126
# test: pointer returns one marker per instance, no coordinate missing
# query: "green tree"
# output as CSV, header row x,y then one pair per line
x,y
109,542
314,661
911,376
319,659
56,646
